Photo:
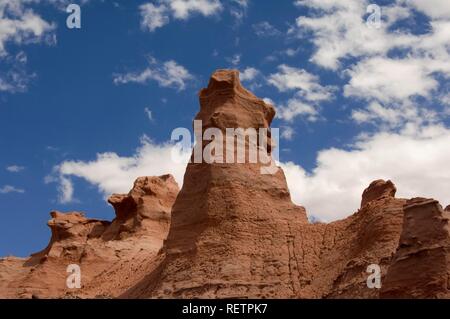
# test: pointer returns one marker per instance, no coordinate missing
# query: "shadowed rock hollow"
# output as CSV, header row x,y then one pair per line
x,y
232,232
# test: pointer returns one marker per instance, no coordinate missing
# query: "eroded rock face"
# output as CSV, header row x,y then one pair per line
x,y
376,190
147,206
233,232
232,228
421,264
112,255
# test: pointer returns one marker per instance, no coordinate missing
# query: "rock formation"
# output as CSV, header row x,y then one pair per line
x,y
119,249
421,265
233,232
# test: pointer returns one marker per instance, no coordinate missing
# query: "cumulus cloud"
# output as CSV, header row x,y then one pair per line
x,y
395,116
154,16
113,173
393,66
434,8
390,79
182,9
11,189
166,74
416,160
308,92
296,107
249,74
20,24
339,30
289,78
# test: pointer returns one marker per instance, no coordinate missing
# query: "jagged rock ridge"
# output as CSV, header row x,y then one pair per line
x,y
234,232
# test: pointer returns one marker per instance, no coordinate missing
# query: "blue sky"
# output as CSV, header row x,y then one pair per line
x,y
83,112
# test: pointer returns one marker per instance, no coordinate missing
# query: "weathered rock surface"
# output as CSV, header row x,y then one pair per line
x,y
421,265
233,232
112,255
376,190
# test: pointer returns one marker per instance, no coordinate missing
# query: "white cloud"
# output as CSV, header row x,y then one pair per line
x,y
433,8
20,24
153,16
296,107
15,168
249,74
166,74
238,9
291,52
235,59
287,133
113,173
149,113
265,29
65,190
182,9
289,78
416,160
390,79
339,30
11,189
13,74
395,116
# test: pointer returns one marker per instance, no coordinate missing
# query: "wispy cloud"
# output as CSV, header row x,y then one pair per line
x,y
15,168
166,74
11,189
149,113
265,29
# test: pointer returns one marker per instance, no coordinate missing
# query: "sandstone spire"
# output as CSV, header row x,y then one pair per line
x,y
231,230
234,231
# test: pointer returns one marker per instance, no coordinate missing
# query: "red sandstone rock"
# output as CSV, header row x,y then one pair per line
x,y
112,255
234,232
378,189
420,267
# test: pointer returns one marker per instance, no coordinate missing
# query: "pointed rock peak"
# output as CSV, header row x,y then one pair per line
x,y
224,80
378,189
162,188
154,185
226,104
